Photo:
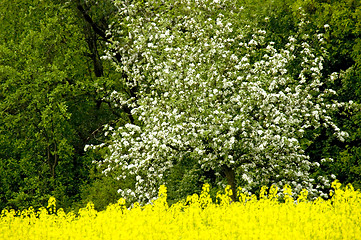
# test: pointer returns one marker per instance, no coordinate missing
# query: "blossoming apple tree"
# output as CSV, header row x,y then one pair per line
x,y
202,84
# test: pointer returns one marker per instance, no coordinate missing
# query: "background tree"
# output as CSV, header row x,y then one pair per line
x,y
52,102
343,22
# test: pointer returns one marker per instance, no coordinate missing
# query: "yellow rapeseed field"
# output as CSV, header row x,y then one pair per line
x,y
198,217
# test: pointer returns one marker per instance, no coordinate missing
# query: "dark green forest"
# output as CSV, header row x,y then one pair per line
x,y
55,87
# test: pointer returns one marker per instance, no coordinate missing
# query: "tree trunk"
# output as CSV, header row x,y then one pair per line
x,y
231,180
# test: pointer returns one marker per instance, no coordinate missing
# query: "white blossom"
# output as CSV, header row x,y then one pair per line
x,y
196,98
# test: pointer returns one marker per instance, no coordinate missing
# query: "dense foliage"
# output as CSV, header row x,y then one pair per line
x,y
50,102
59,87
344,46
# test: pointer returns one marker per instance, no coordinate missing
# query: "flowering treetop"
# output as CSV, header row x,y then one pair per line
x,y
206,85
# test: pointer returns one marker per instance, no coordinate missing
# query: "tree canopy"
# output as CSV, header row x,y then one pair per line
x,y
50,101
210,88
